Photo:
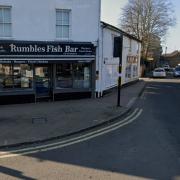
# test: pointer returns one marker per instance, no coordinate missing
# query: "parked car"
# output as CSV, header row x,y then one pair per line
x,y
166,67
177,71
159,72
170,72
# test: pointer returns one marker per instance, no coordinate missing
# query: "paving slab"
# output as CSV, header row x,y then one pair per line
x,y
21,123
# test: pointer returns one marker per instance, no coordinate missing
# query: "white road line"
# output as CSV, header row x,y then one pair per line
x,y
130,103
161,86
151,87
142,96
73,140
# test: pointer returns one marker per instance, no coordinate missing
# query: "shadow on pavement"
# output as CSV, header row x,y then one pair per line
x,y
13,173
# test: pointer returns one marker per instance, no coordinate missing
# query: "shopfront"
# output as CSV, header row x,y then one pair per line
x,y
34,71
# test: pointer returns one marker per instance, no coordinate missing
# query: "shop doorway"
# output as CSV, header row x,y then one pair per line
x,y
43,81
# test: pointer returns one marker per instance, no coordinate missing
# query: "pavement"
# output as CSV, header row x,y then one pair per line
x,y
37,122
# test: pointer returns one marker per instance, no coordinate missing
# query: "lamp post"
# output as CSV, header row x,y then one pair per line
x,y
118,43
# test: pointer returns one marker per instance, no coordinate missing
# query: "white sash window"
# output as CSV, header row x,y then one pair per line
x,y
62,23
5,22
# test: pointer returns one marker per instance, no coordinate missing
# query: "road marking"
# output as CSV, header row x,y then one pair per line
x,y
64,141
160,86
136,113
152,87
142,96
131,102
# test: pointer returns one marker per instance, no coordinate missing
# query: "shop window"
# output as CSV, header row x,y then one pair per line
x,y
64,75
6,78
17,76
74,75
5,22
23,75
62,23
81,76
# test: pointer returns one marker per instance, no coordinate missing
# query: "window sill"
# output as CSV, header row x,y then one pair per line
x,y
63,39
6,38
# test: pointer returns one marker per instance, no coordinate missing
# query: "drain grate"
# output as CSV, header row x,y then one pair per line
x,y
39,119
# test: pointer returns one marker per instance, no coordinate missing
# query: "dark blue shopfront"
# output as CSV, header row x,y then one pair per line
x,y
35,71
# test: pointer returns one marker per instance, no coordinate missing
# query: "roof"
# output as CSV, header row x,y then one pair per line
x,y
173,54
106,25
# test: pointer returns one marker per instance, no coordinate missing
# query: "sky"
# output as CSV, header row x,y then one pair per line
x,y
111,11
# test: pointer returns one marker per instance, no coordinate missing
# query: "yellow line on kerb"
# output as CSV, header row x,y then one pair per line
x,y
42,148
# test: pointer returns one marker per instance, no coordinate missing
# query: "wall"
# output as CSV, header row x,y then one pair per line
x,y
131,48
108,65
174,60
36,19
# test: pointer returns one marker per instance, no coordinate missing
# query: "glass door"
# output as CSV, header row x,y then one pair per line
x,y
42,81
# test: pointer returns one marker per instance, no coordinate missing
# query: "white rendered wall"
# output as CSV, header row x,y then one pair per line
x,y
36,19
131,47
109,64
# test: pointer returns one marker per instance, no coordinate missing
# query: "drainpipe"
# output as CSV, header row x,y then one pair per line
x,y
102,61
99,52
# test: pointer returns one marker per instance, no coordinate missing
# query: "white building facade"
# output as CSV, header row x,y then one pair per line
x,y
59,49
108,66
48,49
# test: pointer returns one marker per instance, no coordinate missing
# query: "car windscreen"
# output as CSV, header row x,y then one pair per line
x,y
177,69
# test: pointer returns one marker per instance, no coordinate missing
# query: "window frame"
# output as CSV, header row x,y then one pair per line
x,y
69,11
13,77
73,77
3,23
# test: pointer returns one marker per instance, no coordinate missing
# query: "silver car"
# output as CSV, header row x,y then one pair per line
x,y
159,72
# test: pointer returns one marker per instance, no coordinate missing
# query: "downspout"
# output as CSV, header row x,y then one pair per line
x,y
99,55
102,60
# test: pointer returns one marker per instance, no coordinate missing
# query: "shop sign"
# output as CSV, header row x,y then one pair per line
x,y
132,59
46,49
24,62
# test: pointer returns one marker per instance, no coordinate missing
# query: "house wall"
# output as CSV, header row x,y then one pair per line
x,y
36,19
66,64
108,65
173,61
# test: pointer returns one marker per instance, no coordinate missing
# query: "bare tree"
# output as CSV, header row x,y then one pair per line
x,y
146,19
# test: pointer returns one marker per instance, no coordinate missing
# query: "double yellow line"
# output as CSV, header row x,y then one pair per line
x,y
73,140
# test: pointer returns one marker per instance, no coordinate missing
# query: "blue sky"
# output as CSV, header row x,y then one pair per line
x,y
111,11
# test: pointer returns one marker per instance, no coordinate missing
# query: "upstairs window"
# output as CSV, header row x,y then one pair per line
x,y
5,22
62,23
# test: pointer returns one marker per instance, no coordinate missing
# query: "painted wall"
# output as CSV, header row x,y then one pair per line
x,y
36,19
131,49
108,65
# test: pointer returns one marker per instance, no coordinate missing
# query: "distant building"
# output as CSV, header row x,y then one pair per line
x,y
173,59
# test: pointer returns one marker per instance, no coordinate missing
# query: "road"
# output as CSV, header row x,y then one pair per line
x,y
146,148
